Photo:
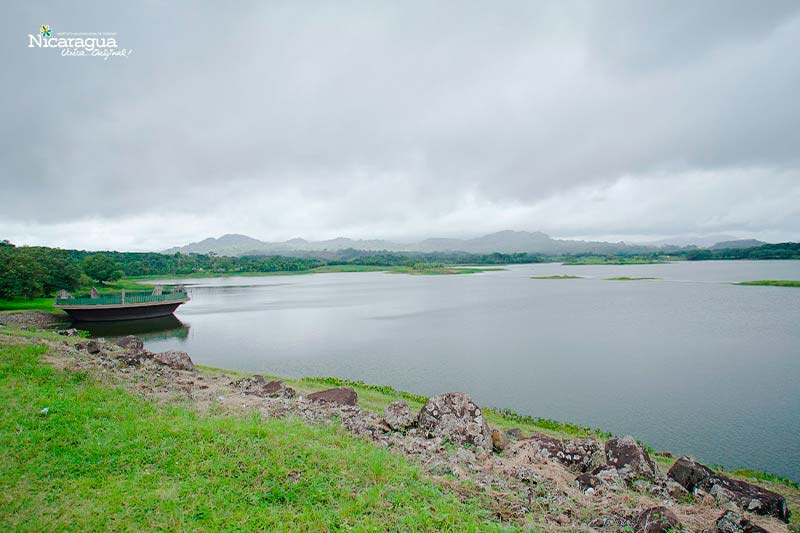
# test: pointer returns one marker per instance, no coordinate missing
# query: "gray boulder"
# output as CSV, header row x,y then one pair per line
x,y
454,416
588,481
693,475
130,342
398,416
576,454
93,347
629,458
259,386
336,396
174,359
732,522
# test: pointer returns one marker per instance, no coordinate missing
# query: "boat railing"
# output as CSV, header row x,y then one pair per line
x,y
117,299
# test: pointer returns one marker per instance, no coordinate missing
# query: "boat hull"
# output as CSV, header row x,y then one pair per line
x,y
106,313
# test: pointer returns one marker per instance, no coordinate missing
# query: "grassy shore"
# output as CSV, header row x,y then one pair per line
x,y
106,458
102,458
614,261
772,283
625,278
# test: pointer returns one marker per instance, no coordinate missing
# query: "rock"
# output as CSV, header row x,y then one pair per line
x,y
132,358
130,342
514,433
579,453
689,473
455,417
575,454
337,396
732,522
174,359
259,386
588,481
277,389
499,440
93,347
69,332
629,457
694,476
44,411
398,416
656,520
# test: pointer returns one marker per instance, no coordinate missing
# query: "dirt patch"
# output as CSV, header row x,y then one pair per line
x,y
31,319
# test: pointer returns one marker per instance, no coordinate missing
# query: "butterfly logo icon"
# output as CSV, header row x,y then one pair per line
x,y
45,31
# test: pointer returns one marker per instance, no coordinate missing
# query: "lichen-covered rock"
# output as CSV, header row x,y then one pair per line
x,y
579,453
93,347
130,342
694,476
499,440
629,457
588,481
455,417
576,454
657,520
259,386
174,359
398,416
732,522
337,396
689,473
514,433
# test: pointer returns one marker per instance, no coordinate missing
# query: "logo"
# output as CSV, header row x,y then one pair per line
x,y
78,44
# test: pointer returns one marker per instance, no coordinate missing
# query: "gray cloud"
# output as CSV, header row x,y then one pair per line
x,y
402,120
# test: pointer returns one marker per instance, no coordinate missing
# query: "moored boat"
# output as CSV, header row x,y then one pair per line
x,y
123,306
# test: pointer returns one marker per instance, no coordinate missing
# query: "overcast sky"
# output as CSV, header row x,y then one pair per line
x,y
401,120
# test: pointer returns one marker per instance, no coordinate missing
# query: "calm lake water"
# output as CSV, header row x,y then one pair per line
x,y
688,363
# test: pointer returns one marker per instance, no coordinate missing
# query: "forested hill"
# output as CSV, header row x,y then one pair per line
x,y
784,250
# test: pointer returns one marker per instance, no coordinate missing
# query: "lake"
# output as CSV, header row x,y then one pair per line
x,y
689,363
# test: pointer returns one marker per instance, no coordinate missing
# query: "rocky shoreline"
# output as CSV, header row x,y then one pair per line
x,y
529,478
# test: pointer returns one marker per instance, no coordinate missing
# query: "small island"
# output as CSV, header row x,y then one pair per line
x,y
772,282
562,276
626,278
614,260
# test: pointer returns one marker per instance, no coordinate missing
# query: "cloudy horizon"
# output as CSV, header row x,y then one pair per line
x,y
614,121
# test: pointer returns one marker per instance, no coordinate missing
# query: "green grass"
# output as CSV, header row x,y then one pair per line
x,y
772,282
765,476
563,276
613,261
104,459
625,278
438,271
22,304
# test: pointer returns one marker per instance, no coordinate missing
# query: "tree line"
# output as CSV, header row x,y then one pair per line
x,y
784,250
34,271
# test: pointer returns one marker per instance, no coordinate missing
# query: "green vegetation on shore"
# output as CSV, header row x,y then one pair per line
x,y
772,282
614,260
102,458
37,272
105,458
562,276
625,278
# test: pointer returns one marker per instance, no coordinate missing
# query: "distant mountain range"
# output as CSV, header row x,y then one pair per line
x,y
503,241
